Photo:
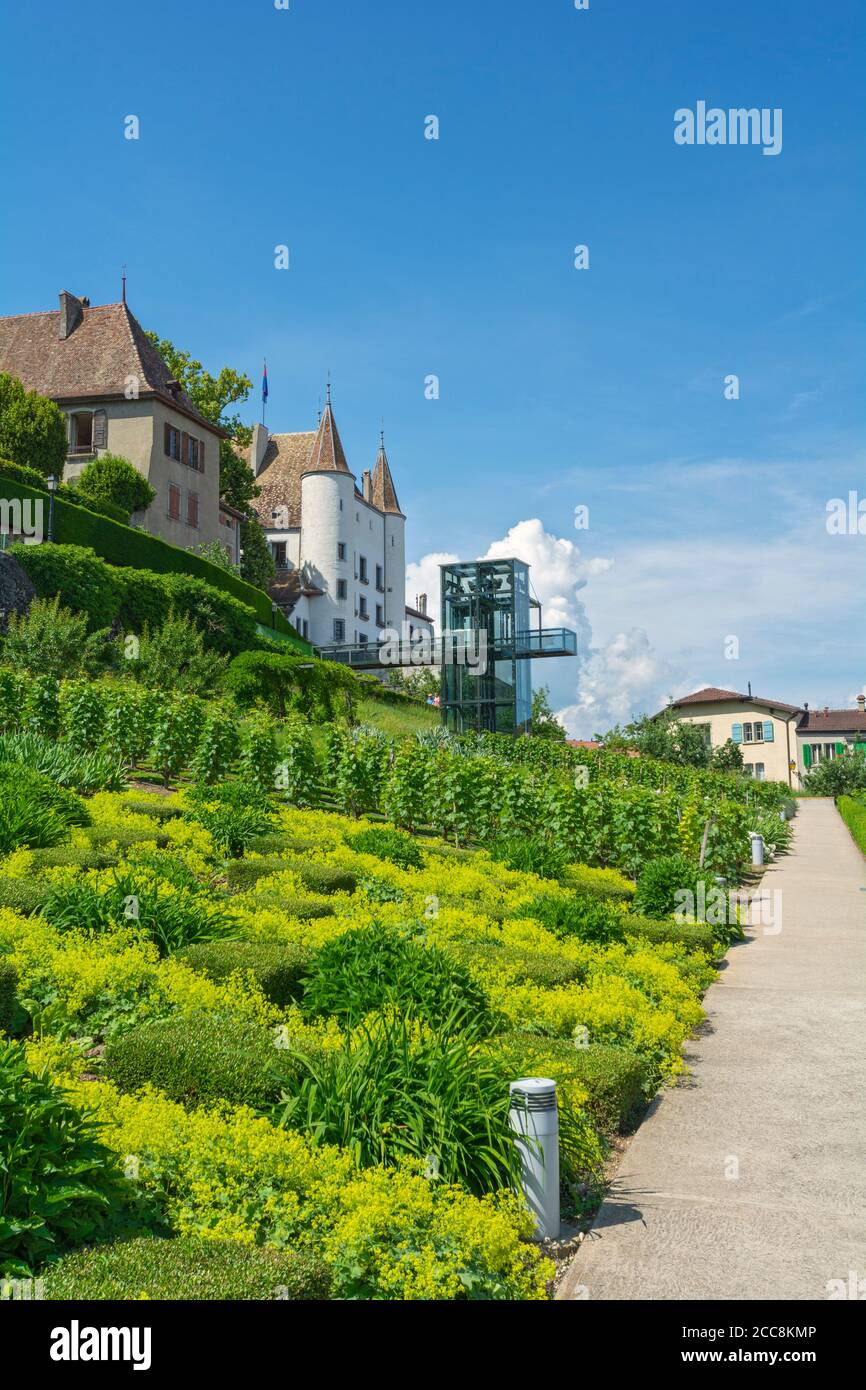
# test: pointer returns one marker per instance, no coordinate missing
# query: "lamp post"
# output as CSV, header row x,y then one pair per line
x,y
273,615
52,488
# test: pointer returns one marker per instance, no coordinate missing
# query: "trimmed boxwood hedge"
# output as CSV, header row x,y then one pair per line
x,y
278,967
186,1268
695,936
8,986
24,895
614,1076
319,878
200,1058
537,968
601,883
125,546
305,909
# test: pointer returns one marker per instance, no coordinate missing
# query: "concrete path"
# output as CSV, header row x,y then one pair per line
x,y
777,1095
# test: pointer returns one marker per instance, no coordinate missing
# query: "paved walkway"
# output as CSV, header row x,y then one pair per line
x,y
778,1088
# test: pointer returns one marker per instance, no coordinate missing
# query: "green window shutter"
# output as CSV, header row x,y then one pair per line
x,y
840,748
807,755
769,734
737,733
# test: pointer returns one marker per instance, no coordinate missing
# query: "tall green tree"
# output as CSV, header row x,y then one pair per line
x,y
32,428
543,723
213,397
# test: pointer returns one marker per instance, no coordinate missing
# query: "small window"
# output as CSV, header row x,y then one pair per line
x,y
341,550
759,732
279,553
305,627
747,733
82,432
380,579
342,588
380,615
174,501
362,569
759,772
341,504
362,639
392,540
357,516
362,608
192,509
172,442
339,630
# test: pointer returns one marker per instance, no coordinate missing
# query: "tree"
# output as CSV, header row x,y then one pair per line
x,y
544,725
663,736
111,478
32,428
216,553
727,757
212,396
257,562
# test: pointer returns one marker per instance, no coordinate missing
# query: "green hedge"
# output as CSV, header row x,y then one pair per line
x,y
319,878
8,1000
197,1059
852,809
518,966
24,895
695,936
278,968
614,1077
186,1268
123,546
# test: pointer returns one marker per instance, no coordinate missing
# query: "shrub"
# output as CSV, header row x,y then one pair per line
x,y
853,813
113,479
84,583
200,1058
232,828
278,969
57,1181
372,968
518,965
187,1267
319,878
8,987
393,845
173,657
614,1077
32,429
284,682
33,811
24,895
305,909
695,936
66,766
603,883
50,640
529,854
839,776
661,880
22,474
433,1097
577,914
171,917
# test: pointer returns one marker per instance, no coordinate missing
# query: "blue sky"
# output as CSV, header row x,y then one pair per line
x,y
411,257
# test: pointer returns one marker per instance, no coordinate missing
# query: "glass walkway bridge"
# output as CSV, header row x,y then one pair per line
x,y
484,651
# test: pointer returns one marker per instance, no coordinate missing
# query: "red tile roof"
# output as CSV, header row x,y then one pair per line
x,y
711,695
106,347
832,721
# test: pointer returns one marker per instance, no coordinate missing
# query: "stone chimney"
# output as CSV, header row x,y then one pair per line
x,y
367,485
257,448
422,604
71,313
861,701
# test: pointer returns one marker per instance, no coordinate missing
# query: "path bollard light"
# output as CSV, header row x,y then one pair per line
x,y
757,848
534,1117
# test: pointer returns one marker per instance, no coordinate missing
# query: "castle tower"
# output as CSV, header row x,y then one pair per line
x,y
385,500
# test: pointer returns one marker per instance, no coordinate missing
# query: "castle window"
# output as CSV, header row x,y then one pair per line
x,y
342,588
81,432
380,579
362,569
341,550
362,608
278,549
380,615
339,630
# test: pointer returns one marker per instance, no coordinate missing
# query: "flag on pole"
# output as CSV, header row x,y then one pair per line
x,y
265,384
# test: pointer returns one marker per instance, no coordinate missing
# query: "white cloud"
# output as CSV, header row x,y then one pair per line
x,y
616,681
422,577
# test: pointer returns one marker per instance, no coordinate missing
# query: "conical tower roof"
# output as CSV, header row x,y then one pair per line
x,y
327,451
384,491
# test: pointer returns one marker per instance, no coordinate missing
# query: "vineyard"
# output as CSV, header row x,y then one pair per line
x,y
264,982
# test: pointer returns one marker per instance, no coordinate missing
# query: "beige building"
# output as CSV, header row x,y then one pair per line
x,y
779,743
119,397
764,730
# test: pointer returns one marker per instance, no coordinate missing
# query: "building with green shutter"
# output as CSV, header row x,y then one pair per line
x,y
779,742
